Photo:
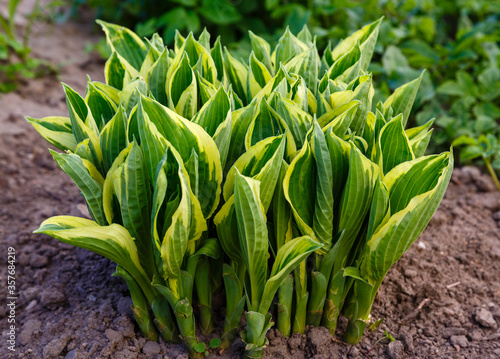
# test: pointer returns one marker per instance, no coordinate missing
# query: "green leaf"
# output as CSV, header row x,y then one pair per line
x,y
113,242
156,78
261,162
186,136
258,76
237,75
267,123
415,190
102,107
402,99
227,230
323,208
366,36
339,158
306,66
344,68
214,343
221,12
340,124
394,144
88,180
183,90
133,191
113,138
287,259
261,50
299,187
355,202
213,112
298,121
288,47
115,72
184,222
252,233
125,42
56,130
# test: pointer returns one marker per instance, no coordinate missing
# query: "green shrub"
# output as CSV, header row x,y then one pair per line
x,y
271,178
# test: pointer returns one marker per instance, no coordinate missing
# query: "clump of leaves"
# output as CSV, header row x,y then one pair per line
x,y
202,172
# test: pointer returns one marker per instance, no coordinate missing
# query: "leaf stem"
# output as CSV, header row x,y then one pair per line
x,y
493,175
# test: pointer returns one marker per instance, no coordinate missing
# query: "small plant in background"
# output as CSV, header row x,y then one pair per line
x,y
16,61
485,148
269,178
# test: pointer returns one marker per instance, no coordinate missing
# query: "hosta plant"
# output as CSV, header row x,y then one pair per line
x,y
273,181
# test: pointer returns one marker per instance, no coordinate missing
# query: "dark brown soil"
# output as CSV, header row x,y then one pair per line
x,y
441,300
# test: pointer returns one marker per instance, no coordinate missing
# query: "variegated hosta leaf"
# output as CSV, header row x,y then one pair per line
x,y
183,89
101,106
308,187
298,183
133,192
177,220
355,202
113,138
298,121
152,142
111,206
281,212
87,178
289,256
113,242
288,47
402,99
366,36
186,137
237,75
241,121
364,93
347,67
261,162
339,119
262,51
258,76
56,130
306,66
130,95
213,112
252,234
324,202
394,145
415,190
156,78
267,123
115,72
227,230
339,158
217,56
419,137
126,43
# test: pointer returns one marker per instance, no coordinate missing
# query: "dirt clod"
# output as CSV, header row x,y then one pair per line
x,y
460,340
55,347
52,298
485,318
395,350
29,328
151,348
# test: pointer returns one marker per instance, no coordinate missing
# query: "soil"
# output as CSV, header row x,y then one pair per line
x,y
441,300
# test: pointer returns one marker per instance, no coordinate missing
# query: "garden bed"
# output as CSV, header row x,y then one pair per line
x,y
441,300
